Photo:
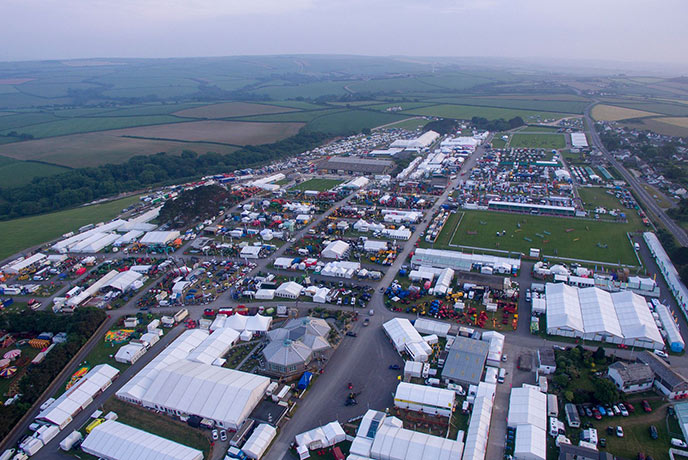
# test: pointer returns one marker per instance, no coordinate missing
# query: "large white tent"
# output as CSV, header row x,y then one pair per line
x,y
527,406
80,395
406,338
113,440
593,314
216,344
422,398
396,443
666,266
496,341
290,290
125,280
429,326
173,383
336,250
531,443
159,237
322,436
259,441
479,424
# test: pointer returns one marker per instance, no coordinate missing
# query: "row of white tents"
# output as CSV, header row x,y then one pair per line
x,y
593,314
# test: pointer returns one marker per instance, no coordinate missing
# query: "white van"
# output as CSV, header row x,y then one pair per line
x,y
502,374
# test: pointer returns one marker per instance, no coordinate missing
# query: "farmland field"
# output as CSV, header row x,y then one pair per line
x,y
226,132
466,112
605,112
318,184
303,116
86,125
93,149
660,125
479,229
410,123
26,232
538,129
14,173
534,103
538,141
231,109
352,120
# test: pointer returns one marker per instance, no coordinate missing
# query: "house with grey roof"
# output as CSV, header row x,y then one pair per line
x,y
631,377
668,381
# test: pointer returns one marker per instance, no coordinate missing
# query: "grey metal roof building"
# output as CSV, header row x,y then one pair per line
x,y
465,361
356,165
633,373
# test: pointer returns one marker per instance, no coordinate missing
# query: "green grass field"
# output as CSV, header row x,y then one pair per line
x,y
538,141
525,103
410,124
159,424
466,112
14,173
479,229
352,120
317,184
538,129
23,233
86,125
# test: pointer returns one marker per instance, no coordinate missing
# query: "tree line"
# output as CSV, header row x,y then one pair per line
x,y
79,327
78,186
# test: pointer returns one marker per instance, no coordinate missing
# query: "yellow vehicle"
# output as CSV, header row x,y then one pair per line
x,y
94,424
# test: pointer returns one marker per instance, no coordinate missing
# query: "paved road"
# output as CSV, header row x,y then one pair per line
x,y
649,204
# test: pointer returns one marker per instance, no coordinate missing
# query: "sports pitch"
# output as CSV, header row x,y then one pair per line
x,y
557,237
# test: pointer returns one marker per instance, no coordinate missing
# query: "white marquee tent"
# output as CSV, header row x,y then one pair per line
x,y
396,443
116,441
259,441
422,398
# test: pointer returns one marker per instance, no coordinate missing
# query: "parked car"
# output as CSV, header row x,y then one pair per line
x,y
662,354
623,410
678,443
366,322
619,431
504,357
616,410
223,435
601,410
588,412
215,435
394,367
351,334
653,432
646,405
596,413
630,407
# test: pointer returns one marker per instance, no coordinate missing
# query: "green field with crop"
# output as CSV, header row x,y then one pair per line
x,y
538,141
20,234
318,184
91,124
14,173
555,236
533,103
352,120
466,112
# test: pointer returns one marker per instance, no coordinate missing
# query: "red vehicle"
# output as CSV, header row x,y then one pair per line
x,y
646,405
629,407
596,414
209,312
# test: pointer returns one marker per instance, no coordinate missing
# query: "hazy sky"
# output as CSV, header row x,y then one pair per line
x,y
625,30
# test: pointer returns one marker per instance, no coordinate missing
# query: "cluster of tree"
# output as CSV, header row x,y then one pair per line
x,y
678,254
79,327
20,136
571,365
82,185
497,125
680,212
444,126
195,205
